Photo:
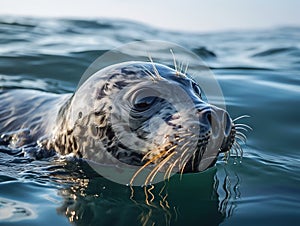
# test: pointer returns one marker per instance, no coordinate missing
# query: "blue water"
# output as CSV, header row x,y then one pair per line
x,y
259,72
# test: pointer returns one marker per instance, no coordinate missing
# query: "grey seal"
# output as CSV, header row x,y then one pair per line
x,y
120,113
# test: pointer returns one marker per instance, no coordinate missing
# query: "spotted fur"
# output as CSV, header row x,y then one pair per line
x,y
83,124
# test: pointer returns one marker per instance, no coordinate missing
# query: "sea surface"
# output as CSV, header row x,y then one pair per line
x,y
259,73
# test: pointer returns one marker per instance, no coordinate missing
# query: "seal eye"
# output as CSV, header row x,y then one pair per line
x,y
196,89
144,98
143,103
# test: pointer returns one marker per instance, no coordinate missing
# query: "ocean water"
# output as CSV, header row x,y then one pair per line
x,y
259,73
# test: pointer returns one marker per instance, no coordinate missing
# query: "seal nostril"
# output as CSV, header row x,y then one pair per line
x,y
205,119
208,116
227,123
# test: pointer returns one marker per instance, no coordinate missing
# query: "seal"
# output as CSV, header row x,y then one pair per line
x,y
139,113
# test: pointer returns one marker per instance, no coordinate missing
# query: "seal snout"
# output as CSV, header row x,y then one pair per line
x,y
216,124
215,120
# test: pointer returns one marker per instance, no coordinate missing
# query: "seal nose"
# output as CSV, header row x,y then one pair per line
x,y
216,121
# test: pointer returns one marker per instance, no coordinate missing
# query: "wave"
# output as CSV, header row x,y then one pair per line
x,y
204,52
276,51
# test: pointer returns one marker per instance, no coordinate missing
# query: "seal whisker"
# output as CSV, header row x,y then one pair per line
x,y
155,150
186,68
240,138
180,158
182,139
155,170
174,60
244,125
169,170
193,160
153,173
241,128
234,147
241,134
182,168
235,151
239,148
183,153
181,67
240,117
144,166
185,144
149,73
182,71
186,159
166,173
184,134
154,67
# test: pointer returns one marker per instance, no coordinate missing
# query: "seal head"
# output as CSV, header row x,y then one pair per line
x,y
143,113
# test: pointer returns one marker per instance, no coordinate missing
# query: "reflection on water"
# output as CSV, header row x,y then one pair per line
x,y
92,200
11,210
228,191
86,198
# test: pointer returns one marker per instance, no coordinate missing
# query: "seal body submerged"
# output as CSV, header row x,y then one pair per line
x,y
139,113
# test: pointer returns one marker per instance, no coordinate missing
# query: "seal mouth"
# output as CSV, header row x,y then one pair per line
x,y
217,135
228,141
194,162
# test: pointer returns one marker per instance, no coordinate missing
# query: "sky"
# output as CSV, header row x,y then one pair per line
x,y
181,15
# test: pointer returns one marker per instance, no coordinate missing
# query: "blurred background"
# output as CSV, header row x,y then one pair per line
x,y
188,15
